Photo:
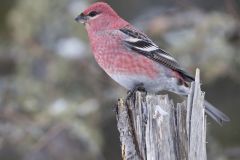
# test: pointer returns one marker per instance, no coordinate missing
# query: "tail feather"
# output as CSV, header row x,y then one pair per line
x,y
216,114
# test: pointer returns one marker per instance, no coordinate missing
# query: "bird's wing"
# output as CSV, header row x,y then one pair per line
x,y
141,44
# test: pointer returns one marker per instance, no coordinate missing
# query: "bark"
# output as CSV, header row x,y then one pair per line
x,y
151,127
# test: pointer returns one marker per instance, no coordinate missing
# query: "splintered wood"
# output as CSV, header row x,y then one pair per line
x,y
152,128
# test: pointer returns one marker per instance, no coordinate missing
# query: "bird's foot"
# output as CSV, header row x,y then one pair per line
x,y
131,93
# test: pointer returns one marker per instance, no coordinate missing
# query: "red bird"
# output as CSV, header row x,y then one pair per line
x,y
132,59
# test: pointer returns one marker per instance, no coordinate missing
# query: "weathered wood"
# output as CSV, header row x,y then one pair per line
x,y
152,128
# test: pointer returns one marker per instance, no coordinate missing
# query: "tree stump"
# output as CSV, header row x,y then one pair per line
x,y
152,128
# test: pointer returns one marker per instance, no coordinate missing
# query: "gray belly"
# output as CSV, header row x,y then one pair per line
x,y
151,85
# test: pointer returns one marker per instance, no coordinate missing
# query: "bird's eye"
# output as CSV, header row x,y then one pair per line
x,y
93,13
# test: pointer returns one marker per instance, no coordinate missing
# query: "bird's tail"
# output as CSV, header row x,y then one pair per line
x,y
215,114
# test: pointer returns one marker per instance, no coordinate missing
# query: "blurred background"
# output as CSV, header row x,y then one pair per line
x,y
56,103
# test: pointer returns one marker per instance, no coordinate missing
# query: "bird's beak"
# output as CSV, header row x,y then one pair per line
x,y
81,18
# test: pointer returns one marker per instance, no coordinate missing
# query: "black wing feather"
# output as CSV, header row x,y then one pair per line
x,y
156,55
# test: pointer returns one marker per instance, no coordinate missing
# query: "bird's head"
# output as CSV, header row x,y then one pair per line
x,y
99,16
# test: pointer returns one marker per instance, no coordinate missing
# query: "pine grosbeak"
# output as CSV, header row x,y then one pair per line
x,y
130,58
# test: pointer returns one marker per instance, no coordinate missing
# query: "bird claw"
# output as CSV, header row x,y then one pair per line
x,y
131,93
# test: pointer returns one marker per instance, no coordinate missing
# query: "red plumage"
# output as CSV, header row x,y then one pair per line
x,y
130,57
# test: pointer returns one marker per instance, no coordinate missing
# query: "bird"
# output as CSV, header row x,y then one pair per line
x,y
132,59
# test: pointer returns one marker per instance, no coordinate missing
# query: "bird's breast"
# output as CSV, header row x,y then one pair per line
x,y
113,57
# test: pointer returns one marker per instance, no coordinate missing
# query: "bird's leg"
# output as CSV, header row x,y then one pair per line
x,y
138,87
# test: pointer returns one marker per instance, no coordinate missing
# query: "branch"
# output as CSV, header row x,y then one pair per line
x,y
152,128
